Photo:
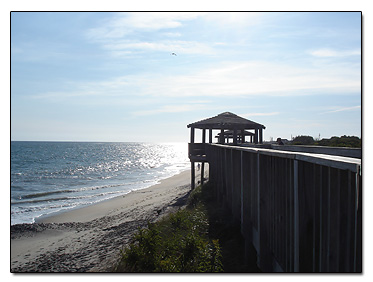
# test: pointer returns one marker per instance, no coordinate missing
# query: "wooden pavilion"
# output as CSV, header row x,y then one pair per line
x,y
230,126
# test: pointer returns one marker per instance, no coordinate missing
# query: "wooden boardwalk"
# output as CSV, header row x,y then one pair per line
x,y
301,211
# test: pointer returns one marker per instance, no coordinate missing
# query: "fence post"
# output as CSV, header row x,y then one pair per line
x,y
241,183
356,218
258,199
192,175
296,218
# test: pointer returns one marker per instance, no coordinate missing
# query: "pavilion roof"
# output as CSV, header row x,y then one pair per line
x,y
226,120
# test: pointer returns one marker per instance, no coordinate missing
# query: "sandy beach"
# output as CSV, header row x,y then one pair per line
x,y
89,239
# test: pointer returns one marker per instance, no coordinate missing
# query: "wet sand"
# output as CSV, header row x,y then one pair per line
x,y
89,239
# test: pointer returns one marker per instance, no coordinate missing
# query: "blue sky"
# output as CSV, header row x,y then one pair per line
x,y
111,76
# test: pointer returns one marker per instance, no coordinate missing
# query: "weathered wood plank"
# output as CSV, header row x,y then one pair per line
x,y
306,217
335,218
300,215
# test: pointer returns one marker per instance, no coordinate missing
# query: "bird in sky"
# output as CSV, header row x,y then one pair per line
x,y
173,54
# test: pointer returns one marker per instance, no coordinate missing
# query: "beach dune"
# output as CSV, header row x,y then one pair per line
x,y
89,239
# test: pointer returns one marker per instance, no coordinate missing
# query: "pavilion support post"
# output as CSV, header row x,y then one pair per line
x,y
204,135
261,135
222,137
242,135
192,135
256,136
235,136
193,176
210,135
202,172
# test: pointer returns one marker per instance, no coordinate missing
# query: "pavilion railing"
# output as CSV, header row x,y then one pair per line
x,y
197,151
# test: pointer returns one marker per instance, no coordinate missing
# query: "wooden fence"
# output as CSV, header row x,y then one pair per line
x,y
300,211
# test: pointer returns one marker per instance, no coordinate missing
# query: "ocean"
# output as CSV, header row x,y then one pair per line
x,y
50,177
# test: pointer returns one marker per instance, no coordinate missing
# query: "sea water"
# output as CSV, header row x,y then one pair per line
x,y
50,177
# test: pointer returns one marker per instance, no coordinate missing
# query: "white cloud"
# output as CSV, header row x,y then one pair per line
x,y
120,48
237,19
125,23
343,109
170,109
119,35
184,107
254,78
172,34
326,52
156,20
230,79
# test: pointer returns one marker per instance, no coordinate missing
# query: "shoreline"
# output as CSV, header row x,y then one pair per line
x,y
99,209
89,239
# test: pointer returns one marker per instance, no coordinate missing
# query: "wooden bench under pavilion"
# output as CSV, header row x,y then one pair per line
x,y
240,139
229,126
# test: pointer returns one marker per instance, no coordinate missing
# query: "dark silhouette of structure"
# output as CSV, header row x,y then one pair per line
x,y
231,126
299,207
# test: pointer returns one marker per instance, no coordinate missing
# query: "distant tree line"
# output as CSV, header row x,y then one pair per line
x,y
343,141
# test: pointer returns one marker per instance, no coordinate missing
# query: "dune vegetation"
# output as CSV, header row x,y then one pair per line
x,y
198,238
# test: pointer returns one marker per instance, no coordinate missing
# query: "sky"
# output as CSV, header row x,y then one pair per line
x,y
110,76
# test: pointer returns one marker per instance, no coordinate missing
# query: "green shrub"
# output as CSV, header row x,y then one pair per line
x,y
303,140
177,243
200,238
343,141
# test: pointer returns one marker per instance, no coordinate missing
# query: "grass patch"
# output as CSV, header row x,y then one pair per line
x,y
199,238
177,243
224,229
